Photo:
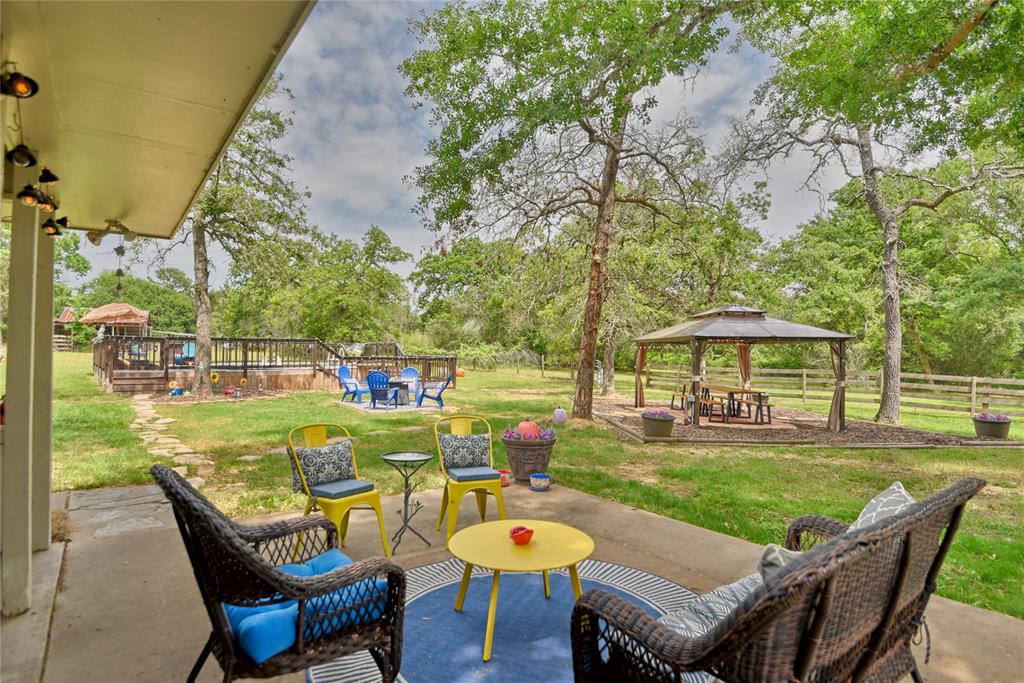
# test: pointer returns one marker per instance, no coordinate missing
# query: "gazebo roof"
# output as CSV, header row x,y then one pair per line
x,y
123,314
736,324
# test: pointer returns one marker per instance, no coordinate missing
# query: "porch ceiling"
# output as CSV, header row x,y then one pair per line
x,y
138,100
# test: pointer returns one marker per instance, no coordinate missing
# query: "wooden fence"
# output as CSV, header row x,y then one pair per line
x,y
933,392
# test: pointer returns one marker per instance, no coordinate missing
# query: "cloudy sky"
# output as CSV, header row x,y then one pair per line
x,y
356,136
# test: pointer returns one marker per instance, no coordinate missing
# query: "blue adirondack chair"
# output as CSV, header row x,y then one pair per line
x,y
381,390
349,386
433,393
412,376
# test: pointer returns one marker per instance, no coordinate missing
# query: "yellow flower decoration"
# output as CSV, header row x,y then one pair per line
x,y
242,382
214,377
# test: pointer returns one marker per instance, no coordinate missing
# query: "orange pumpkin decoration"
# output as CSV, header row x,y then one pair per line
x,y
459,372
528,430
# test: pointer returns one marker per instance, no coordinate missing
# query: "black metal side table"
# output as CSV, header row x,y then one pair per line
x,y
407,463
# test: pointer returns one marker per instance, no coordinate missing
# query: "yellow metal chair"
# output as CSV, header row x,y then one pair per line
x,y
336,498
481,480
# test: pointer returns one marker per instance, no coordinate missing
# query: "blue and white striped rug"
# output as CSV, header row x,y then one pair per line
x,y
531,633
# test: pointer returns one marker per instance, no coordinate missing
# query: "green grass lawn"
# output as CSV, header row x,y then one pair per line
x,y
92,444
750,493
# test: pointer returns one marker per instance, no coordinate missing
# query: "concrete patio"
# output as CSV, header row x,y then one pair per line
x,y
128,607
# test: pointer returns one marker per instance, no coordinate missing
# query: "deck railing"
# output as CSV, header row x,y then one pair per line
x,y
115,355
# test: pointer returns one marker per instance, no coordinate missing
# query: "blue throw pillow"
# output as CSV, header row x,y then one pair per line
x,y
266,630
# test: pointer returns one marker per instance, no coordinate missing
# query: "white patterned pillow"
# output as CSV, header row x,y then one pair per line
x,y
889,502
703,614
774,559
323,464
465,450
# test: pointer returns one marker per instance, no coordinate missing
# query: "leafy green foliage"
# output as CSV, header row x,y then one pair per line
x,y
170,308
342,291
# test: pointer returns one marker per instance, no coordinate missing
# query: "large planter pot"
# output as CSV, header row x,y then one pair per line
x,y
658,426
528,457
998,430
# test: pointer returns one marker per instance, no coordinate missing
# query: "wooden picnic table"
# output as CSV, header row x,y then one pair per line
x,y
731,401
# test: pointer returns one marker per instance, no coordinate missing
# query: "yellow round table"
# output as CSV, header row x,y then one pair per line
x,y
487,545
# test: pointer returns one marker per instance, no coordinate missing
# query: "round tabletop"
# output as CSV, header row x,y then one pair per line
x,y
553,546
413,457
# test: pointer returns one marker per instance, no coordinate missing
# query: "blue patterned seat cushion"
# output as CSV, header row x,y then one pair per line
x,y
323,464
891,501
465,450
340,488
473,473
704,613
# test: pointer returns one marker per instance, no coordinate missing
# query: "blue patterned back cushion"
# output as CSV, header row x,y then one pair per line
x,y
466,450
323,464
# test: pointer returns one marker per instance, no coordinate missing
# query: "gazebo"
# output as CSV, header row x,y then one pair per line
x,y
743,327
120,319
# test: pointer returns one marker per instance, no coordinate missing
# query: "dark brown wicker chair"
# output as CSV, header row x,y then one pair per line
x,y
846,610
237,564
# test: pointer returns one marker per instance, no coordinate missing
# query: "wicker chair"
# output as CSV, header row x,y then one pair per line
x,y
237,564
846,610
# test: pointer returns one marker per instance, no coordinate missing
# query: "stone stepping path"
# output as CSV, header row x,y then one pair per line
x,y
150,427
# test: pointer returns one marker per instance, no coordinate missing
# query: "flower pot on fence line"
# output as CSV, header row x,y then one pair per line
x,y
528,457
999,429
658,426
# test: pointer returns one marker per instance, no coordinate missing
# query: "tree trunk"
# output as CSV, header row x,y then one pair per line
x,y
605,225
608,369
889,401
922,356
201,376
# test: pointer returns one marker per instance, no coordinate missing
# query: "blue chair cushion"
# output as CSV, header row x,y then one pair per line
x,y
341,488
472,473
266,630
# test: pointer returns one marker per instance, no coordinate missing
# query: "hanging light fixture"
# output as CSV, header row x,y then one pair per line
x,y
63,222
47,204
51,228
21,156
47,177
119,250
18,85
94,237
30,196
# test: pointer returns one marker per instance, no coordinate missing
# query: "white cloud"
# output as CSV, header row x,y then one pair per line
x,y
356,136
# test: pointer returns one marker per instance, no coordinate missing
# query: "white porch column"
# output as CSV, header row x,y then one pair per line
x,y
42,392
16,521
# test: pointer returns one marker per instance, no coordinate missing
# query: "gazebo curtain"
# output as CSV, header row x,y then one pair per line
x,y
638,389
696,358
743,357
837,412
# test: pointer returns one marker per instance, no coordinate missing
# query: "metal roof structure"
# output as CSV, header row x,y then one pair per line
x,y
734,324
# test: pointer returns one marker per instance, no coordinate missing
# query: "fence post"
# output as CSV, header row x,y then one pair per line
x,y
985,397
803,392
245,359
974,395
542,365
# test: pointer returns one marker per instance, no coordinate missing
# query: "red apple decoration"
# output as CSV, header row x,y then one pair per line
x,y
520,535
